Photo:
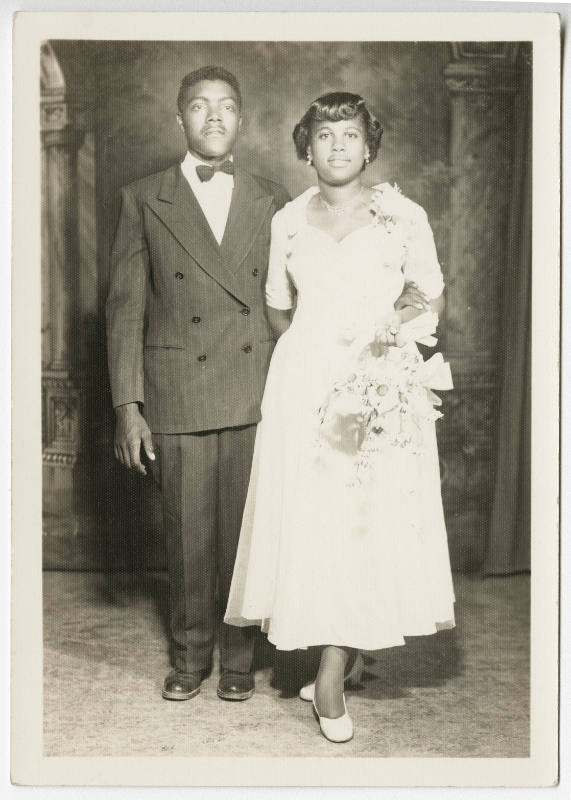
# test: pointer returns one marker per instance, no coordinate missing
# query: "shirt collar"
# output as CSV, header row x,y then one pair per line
x,y
191,162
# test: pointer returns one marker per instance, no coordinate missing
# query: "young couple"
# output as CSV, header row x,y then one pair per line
x,y
314,513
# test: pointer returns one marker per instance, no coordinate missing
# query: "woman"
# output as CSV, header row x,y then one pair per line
x,y
343,543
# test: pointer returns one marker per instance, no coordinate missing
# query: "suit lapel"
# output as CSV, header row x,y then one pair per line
x,y
248,210
180,211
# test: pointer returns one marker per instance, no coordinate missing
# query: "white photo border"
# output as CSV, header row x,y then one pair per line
x,y
29,766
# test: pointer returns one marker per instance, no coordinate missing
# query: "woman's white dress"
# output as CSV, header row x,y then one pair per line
x,y
322,560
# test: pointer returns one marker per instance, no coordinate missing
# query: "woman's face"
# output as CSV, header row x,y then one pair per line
x,y
338,150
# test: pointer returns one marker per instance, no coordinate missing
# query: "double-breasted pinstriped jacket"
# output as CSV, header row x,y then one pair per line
x,y
187,331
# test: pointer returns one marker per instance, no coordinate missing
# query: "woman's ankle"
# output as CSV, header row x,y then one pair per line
x,y
328,702
330,682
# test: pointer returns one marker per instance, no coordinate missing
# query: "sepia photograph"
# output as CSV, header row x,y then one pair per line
x,y
285,324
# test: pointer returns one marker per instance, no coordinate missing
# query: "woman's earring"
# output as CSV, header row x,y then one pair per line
x,y
309,161
367,159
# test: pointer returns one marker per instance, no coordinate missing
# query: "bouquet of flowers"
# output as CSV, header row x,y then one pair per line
x,y
388,397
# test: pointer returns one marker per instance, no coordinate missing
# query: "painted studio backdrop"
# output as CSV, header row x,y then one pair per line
x,y
456,140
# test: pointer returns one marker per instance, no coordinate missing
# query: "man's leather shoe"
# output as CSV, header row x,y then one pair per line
x,y
181,685
236,685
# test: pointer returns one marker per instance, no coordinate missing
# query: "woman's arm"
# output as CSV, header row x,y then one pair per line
x,y
279,289
279,320
389,333
421,269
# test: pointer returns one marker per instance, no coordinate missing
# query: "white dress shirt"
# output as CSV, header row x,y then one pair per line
x,y
214,196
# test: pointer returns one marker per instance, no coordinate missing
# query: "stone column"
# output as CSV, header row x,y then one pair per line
x,y
60,195
482,80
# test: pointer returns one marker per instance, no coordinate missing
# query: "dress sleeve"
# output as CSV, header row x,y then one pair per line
x,y
421,264
279,289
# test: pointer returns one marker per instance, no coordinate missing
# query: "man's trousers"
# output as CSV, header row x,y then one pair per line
x,y
203,479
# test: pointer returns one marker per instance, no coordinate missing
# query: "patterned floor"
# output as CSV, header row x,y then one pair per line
x,y
458,693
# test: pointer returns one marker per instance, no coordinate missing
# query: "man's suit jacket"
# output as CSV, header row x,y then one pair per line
x,y
187,331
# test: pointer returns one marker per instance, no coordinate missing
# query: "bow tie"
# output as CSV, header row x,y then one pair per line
x,y
205,172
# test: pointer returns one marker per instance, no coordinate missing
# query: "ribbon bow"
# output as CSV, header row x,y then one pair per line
x,y
205,172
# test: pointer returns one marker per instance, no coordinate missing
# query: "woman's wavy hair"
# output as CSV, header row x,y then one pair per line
x,y
334,107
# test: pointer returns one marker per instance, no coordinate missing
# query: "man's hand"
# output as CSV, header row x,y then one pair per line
x,y
130,431
412,296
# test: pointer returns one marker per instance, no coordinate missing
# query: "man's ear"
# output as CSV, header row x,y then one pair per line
x,y
179,120
240,122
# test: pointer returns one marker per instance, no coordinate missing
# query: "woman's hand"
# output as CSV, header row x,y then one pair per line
x,y
411,296
389,332
408,312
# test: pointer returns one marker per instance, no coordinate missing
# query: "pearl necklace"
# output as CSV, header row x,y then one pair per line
x,y
342,207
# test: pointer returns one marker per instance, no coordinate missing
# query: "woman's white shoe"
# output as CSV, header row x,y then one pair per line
x,y
336,730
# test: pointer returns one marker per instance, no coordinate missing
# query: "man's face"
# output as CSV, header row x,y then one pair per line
x,y
210,119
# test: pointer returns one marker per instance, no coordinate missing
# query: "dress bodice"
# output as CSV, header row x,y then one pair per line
x,y
346,284
353,283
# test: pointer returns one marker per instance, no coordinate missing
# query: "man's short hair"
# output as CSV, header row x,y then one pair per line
x,y
207,74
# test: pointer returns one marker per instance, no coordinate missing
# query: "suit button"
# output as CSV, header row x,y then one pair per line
x,y
247,348
245,311
179,276
255,272
196,319
202,357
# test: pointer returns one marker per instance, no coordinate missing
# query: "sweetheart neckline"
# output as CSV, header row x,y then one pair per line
x,y
377,189
344,238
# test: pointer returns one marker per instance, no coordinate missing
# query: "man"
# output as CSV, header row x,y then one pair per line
x,y
189,347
